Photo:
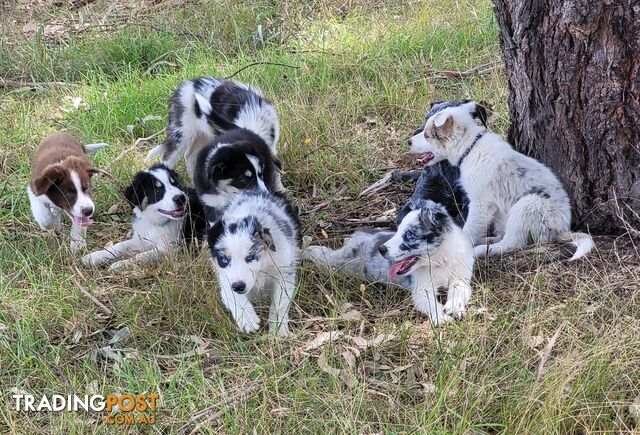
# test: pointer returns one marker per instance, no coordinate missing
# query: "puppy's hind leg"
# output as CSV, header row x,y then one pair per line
x,y
527,223
348,257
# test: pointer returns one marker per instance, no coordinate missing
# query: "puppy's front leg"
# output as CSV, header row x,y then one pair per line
x,y
240,308
144,258
78,239
478,222
459,283
118,250
281,296
425,301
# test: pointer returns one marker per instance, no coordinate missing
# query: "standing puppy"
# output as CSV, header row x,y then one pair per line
x,y
255,248
165,216
204,108
517,196
429,251
61,182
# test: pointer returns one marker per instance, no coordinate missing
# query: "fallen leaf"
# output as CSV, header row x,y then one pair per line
x,y
120,335
323,338
344,375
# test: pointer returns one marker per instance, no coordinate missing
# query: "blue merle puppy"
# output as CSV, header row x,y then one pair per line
x,y
255,247
427,252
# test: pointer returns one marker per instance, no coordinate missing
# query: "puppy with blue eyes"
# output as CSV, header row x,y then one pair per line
x,y
427,252
166,216
255,248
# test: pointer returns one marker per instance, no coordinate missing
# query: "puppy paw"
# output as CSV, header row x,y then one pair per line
x,y
248,321
77,246
87,260
120,265
440,318
280,329
455,307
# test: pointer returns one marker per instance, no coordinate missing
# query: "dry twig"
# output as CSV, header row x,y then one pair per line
x,y
546,354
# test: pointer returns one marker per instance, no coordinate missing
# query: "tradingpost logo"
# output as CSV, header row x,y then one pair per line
x,y
121,409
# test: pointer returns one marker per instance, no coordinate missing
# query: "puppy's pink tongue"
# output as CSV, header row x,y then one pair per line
x,y
425,158
82,222
396,267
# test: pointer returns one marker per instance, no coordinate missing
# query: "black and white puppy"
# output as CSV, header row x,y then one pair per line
x,y
166,216
441,182
204,108
427,252
235,161
255,248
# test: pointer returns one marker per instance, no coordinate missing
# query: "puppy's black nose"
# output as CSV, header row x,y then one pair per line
x,y
180,199
409,141
383,250
87,211
238,287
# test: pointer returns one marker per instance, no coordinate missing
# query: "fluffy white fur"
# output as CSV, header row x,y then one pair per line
x,y
272,269
517,195
154,234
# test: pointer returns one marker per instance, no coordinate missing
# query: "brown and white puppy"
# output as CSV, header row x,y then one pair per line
x,y
61,181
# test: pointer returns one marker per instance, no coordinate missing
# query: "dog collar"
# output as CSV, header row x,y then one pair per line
x,y
466,153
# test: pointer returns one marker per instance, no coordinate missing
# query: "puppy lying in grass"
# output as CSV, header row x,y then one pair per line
x,y
165,217
427,252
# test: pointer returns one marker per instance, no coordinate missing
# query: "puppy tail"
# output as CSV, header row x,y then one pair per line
x,y
154,152
582,241
92,148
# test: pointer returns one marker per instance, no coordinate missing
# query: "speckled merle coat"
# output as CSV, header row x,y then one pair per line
x,y
255,248
427,252
516,196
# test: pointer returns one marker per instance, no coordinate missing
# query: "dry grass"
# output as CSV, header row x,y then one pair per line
x,y
547,347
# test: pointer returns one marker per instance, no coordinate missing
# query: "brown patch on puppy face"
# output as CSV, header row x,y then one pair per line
x,y
56,182
438,130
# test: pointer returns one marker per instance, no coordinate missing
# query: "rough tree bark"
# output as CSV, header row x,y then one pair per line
x,y
573,68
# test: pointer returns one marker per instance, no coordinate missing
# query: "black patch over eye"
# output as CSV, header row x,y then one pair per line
x,y
223,261
250,258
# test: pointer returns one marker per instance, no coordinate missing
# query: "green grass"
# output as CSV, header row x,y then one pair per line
x,y
362,78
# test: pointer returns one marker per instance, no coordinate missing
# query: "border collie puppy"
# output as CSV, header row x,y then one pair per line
x,y
519,197
427,252
235,161
165,216
202,109
441,182
61,182
255,248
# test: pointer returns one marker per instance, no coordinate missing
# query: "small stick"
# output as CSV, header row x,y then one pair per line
x,y
546,354
260,63
93,299
208,416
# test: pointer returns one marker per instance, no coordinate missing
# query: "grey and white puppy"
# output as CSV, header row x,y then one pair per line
x,y
428,251
515,195
255,248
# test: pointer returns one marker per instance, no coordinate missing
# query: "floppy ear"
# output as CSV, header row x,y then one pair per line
x,y
134,193
433,103
50,175
433,216
214,233
443,122
267,238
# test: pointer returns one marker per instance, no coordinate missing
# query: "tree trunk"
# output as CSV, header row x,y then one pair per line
x,y
573,68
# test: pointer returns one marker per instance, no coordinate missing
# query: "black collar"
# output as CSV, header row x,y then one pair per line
x,y
466,153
